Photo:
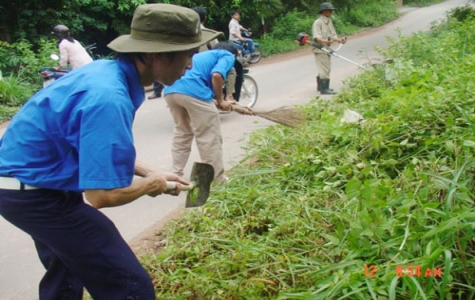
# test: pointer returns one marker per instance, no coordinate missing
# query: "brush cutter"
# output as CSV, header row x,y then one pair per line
x,y
302,39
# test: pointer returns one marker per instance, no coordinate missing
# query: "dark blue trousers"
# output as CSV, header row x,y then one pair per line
x,y
78,245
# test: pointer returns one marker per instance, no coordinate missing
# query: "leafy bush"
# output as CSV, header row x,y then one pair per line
x,y
20,64
370,14
289,25
463,13
271,45
13,91
382,209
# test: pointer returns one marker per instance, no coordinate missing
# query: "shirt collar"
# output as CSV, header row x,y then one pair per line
x,y
325,19
136,90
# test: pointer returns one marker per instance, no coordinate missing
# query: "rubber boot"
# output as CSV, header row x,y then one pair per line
x,y
325,87
319,85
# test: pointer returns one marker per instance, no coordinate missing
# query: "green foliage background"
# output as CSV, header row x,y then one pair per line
x,y
102,20
26,41
310,208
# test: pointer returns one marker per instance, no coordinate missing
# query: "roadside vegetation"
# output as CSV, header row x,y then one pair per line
x,y
380,209
19,67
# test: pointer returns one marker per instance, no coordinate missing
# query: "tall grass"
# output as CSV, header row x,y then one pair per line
x,y
20,64
382,209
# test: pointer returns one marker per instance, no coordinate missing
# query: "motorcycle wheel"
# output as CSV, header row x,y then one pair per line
x,y
256,56
249,91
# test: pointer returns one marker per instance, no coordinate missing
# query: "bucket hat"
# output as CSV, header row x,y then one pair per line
x,y
326,6
158,28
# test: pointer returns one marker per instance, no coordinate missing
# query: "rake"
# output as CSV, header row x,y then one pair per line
x,y
284,115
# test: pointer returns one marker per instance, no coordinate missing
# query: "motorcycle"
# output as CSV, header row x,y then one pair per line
x,y
51,74
244,56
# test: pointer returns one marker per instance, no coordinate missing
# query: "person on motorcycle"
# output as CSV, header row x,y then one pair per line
x,y
70,50
235,31
74,139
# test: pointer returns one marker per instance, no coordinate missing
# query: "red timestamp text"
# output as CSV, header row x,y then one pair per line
x,y
409,271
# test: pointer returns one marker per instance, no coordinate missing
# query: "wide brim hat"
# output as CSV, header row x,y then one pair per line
x,y
326,6
158,28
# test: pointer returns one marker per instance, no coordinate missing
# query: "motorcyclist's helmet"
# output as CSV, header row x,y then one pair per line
x,y
61,31
326,6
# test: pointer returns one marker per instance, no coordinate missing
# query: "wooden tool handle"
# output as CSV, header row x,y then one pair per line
x,y
171,185
242,110
239,109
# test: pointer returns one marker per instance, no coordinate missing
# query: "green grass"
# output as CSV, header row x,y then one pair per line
x,y
13,93
311,212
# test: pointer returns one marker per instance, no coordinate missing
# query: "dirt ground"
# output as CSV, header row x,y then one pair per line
x,y
151,240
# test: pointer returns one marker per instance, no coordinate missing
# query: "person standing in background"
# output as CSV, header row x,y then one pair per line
x,y
324,34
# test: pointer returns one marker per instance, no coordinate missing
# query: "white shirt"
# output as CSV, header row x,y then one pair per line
x,y
234,28
74,53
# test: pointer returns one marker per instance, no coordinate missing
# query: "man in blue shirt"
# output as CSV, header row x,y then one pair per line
x,y
192,101
76,136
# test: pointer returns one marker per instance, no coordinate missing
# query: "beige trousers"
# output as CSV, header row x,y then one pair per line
x,y
231,82
199,120
324,64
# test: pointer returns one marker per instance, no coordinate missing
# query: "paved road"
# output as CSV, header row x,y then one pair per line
x,y
283,79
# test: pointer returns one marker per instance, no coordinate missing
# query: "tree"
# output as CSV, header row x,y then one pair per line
x,y
101,21
88,20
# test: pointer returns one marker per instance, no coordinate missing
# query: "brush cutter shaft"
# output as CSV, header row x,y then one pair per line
x,y
171,185
344,58
332,52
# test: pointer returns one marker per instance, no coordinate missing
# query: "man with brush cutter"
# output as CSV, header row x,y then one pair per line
x,y
324,34
75,136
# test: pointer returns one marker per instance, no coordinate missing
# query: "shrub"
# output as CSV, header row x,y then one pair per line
x,y
370,14
462,13
14,91
289,25
20,65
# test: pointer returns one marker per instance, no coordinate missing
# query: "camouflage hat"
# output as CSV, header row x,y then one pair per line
x,y
160,28
326,6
